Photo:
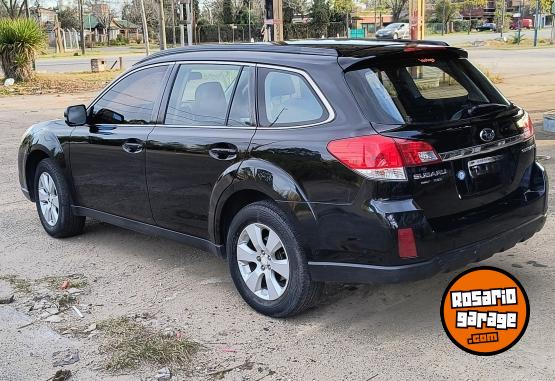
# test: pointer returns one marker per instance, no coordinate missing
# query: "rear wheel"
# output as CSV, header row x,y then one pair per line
x,y
267,263
53,201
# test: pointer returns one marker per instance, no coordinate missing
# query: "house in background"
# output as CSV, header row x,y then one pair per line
x,y
95,31
125,29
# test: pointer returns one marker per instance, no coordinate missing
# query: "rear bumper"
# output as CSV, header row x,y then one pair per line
x,y
366,250
358,273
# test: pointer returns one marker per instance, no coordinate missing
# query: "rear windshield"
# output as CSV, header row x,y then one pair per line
x,y
423,90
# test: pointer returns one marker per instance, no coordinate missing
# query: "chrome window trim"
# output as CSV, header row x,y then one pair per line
x,y
121,77
483,148
305,75
315,88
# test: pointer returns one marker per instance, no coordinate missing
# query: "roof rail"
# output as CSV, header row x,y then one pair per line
x,y
255,47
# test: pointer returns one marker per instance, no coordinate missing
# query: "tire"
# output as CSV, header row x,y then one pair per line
x,y
60,222
298,291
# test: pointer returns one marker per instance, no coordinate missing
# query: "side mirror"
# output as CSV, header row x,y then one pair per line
x,y
76,115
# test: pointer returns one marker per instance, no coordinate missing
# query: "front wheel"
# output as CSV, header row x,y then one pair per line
x,y
53,201
267,262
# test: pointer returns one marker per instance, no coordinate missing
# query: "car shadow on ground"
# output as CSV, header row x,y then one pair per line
x,y
391,308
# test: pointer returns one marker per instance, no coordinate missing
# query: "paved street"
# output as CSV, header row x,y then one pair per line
x,y
77,64
356,333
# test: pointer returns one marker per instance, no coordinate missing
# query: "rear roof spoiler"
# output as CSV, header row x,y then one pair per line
x,y
393,51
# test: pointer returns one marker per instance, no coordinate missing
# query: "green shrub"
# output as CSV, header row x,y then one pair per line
x,y
20,39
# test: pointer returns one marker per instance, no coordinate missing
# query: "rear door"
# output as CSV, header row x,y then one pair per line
x,y
481,138
208,124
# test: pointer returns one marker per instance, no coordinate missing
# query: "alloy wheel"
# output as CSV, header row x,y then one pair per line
x,y
48,197
263,261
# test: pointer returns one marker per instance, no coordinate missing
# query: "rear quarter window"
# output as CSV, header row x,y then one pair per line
x,y
286,98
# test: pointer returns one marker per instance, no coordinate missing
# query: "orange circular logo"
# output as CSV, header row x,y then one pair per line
x,y
485,311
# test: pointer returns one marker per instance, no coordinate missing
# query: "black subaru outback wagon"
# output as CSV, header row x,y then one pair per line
x,y
301,163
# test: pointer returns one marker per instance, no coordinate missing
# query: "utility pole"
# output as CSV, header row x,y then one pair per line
x,y
520,22
182,24
82,24
145,28
190,19
162,26
250,38
536,22
504,4
278,20
27,12
173,24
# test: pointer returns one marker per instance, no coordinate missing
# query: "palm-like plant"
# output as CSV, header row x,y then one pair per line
x,y
19,41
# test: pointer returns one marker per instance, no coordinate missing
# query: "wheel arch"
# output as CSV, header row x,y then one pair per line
x,y
38,144
257,180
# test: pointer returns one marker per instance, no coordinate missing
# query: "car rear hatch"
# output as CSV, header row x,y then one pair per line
x,y
479,146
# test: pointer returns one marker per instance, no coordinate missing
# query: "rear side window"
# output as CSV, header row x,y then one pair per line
x,y
286,99
421,90
201,95
241,113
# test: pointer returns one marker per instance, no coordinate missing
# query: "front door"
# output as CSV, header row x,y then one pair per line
x,y
107,155
207,128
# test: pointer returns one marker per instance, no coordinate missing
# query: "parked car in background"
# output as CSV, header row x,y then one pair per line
x,y
394,31
300,163
487,26
524,24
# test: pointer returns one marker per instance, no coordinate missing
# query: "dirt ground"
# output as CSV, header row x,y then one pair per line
x,y
356,333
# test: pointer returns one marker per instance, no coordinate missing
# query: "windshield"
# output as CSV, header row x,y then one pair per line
x,y
393,26
423,90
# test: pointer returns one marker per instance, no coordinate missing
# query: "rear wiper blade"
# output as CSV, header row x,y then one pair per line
x,y
484,106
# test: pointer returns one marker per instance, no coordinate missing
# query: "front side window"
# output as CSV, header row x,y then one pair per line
x,y
131,100
201,94
286,99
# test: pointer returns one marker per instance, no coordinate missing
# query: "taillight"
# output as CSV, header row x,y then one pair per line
x,y
526,125
380,157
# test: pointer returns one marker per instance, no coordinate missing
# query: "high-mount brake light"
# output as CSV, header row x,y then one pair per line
x,y
419,48
380,157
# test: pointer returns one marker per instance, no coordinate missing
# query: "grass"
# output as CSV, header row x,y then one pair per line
x,y
65,83
75,281
493,77
65,301
131,344
21,285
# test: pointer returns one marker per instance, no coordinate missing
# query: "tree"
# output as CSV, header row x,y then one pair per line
x,y
344,8
228,12
20,39
446,11
473,4
131,11
320,13
397,6
69,18
13,8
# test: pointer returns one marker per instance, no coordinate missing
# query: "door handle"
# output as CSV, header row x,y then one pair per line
x,y
133,147
223,153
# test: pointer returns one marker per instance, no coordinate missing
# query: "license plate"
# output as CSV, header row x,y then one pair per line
x,y
484,165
